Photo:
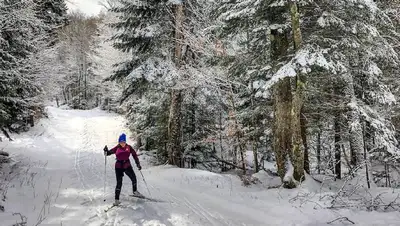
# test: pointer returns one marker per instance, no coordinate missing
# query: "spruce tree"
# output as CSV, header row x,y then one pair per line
x,y
53,13
145,30
19,32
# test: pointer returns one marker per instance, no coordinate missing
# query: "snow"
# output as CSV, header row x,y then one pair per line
x,y
57,177
304,60
89,7
289,171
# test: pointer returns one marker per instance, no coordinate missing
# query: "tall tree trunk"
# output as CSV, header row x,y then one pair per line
x,y
282,97
282,130
298,101
65,95
192,120
238,147
319,151
174,129
220,134
85,81
174,121
338,165
57,102
139,142
253,139
356,133
366,158
303,122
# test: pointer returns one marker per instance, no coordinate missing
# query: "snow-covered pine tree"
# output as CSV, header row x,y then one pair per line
x,y
243,30
355,62
145,30
365,54
162,82
54,15
46,66
21,33
345,78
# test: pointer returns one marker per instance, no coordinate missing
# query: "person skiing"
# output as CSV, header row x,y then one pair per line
x,y
123,165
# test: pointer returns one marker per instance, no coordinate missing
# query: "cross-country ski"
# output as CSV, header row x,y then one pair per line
x,y
199,113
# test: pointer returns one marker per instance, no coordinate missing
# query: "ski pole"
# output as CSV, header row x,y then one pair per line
x,y
105,176
145,182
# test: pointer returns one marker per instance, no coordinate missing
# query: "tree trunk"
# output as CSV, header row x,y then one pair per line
x,y
139,142
57,101
253,139
282,129
282,97
65,95
298,148
298,101
319,151
338,164
174,120
174,129
366,159
356,133
220,134
303,122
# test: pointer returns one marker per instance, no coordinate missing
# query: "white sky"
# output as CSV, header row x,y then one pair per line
x,y
89,7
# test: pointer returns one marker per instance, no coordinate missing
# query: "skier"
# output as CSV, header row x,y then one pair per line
x,y
122,151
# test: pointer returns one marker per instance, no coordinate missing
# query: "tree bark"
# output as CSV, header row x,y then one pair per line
x,y
298,101
319,151
237,132
356,133
282,97
174,120
253,139
366,159
338,164
174,129
57,101
282,128
303,122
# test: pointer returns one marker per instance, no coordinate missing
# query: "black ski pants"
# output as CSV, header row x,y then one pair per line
x,y
119,173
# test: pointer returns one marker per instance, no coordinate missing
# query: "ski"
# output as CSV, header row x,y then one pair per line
x,y
146,198
111,207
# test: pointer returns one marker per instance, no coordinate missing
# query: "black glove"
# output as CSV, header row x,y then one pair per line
x,y
139,167
105,150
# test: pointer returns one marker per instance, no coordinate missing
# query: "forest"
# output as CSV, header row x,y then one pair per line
x,y
219,85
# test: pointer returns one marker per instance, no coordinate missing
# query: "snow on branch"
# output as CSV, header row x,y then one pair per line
x,y
304,62
385,137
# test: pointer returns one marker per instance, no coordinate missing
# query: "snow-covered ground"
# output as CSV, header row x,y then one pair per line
x,y
58,179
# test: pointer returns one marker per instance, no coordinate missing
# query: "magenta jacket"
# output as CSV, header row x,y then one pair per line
x,y
122,155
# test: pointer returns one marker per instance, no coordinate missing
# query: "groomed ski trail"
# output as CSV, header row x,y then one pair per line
x,y
60,182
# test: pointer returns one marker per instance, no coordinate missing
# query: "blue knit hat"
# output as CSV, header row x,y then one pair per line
x,y
122,138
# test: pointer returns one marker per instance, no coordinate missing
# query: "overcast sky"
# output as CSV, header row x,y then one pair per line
x,y
89,7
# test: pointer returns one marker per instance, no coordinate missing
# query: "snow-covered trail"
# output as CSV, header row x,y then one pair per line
x,y
61,177
66,167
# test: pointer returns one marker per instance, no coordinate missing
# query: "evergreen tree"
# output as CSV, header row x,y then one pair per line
x,y
145,30
53,13
19,32
243,30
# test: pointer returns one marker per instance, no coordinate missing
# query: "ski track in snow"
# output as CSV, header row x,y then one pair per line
x,y
71,141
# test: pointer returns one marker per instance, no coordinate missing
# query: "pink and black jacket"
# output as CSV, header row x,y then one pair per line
x,y
122,155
